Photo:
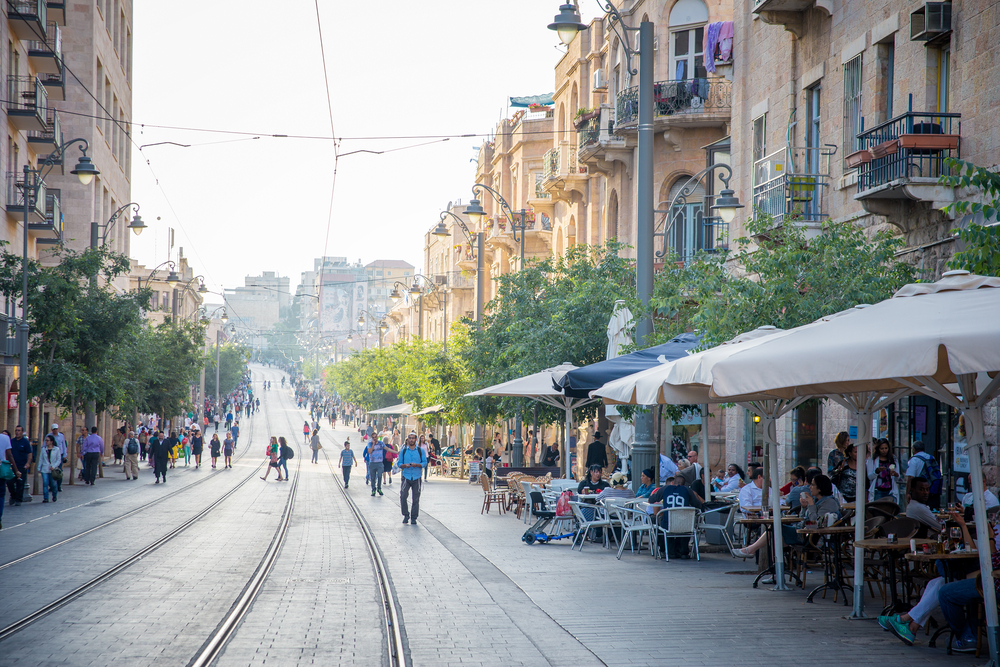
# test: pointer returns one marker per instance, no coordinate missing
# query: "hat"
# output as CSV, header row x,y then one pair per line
x,y
618,478
55,427
648,472
597,435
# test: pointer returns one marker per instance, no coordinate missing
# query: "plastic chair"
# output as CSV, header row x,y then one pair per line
x,y
680,523
599,519
727,529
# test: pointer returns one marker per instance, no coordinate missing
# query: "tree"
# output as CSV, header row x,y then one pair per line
x,y
167,361
233,360
981,254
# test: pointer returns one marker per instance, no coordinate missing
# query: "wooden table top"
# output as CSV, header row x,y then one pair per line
x,y
832,530
881,543
759,520
925,558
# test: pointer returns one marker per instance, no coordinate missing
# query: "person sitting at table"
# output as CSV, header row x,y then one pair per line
x,y
646,483
797,477
905,626
735,477
593,484
750,495
991,500
617,489
916,504
816,471
817,503
551,457
794,497
674,493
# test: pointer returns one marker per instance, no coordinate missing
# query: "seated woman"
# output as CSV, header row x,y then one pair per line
x,y
593,484
798,485
817,503
796,477
617,489
646,485
735,478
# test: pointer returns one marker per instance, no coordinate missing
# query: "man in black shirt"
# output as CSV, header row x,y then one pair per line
x,y
551,458
596,453
675,494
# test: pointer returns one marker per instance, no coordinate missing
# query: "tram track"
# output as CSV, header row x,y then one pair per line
x,y
124,564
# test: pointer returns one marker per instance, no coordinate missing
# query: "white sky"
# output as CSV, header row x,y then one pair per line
x,y
436,67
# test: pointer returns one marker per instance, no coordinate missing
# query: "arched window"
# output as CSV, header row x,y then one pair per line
x,y
686,235
687,40
612,222
562,121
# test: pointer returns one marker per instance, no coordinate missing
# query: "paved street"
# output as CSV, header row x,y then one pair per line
x,y
468,590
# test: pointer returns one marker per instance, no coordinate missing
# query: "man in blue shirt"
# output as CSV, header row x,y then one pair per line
x,y
236,434
675,494
412,462
23,455
376,454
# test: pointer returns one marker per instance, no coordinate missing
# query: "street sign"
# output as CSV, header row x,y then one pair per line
x,y
852,432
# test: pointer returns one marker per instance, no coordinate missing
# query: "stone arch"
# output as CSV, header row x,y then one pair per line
x,y
559,249
612,217
562,121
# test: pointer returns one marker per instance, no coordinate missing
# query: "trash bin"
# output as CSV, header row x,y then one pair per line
x,y
717,518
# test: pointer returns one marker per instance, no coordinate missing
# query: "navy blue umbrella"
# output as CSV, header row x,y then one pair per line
x,y
578,383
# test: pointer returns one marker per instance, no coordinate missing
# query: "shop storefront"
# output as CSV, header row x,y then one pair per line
x,y
939,427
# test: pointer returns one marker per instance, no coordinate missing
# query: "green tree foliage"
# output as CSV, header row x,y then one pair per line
x,y
81,328
981,254
167,361
233,359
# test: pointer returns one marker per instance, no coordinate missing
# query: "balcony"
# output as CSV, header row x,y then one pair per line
x,y
26,103
692,235
15,199
46,55
50,230
789,13
57,11
457,281
687,103
49,136
9,348
55,85
27,18
902,159
783,192
598,146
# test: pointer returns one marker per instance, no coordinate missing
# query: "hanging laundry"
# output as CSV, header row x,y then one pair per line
x,y
681,66
711,42
726,40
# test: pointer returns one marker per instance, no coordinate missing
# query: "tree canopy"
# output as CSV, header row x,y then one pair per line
x,y
981,254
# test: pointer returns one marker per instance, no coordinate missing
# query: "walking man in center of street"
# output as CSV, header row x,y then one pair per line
x,y
61,443
376,454
412,461
159,452
347,459
93,450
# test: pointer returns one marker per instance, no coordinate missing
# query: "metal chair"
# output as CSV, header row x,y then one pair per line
x,y
633,521
598,519
727,529
680,523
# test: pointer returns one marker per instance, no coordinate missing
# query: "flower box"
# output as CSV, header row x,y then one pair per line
x,y
931,142
858,158
885,148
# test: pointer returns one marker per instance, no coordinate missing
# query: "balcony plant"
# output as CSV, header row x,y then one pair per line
x,y
584,114
538,107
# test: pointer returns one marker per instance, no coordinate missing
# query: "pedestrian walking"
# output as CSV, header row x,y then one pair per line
x,y
7,456
376,455
272,452
132,448
305,432
61,443
159,452
175,446
186,447
215,418
93,450
197,444
347,460
425,448
117,445
228,445
315,446
235,432
390,458
412,461
229,420
50,459
216,448
143,443
287,453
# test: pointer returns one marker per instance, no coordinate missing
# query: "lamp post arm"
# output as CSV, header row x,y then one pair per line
x,y
682,196
617,24
461,224
59,153
150,276
113,219
503,206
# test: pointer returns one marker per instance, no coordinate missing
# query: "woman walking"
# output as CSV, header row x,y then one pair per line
x,y
50,460
216,447
315,446
186,448
227,449
197,443
286,453
305,432
272,454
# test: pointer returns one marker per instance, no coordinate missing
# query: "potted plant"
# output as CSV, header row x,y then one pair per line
x,y
584,114
538,107
885,148
858,158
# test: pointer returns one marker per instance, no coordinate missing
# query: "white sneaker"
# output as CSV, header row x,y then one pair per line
x,y
742,553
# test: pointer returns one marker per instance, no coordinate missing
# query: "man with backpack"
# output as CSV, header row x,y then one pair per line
x,y
412,461
925,466
132,456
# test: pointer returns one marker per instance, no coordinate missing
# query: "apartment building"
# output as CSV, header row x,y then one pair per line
x,y
175,290
848,114
383,274
270,281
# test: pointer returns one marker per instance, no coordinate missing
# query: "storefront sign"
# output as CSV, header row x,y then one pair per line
x,y
852,432
920,418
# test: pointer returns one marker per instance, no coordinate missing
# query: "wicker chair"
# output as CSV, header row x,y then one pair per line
x,y
492,495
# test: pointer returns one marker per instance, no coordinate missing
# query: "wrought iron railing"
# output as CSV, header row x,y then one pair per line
x,y
16,196
53,211
908,146
26,93
672,98
540,193
799,196
692,232
551,162
52,131
589,133
51,45
28,10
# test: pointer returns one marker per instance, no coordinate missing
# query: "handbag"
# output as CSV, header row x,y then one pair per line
x,y
57,474
6,470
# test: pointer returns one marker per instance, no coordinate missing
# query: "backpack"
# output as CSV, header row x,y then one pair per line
x,y
287,452
132,447
931,472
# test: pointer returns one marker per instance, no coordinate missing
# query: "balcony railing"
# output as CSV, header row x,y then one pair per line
x,y
559,162
551,163
46,55
26,102
677,98
799,196
692,232
53,222
51,133
457,281
589,133
16,196
540,193
913,145
27,18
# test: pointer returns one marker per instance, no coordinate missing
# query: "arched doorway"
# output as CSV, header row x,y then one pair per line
x,y
686,235
612,221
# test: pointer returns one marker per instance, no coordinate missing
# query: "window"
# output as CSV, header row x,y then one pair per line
x,y
761,172
100,90
156,301
108,110
805,435
687,39
687,220
890,76
812,129
943,80
853,121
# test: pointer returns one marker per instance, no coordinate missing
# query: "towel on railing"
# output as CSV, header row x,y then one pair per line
x,y
711,42
726,40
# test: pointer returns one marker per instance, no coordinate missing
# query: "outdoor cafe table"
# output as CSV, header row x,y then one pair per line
x,y
833,564
891,552
768,526
561,485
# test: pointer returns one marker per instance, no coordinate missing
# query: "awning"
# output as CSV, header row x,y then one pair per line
x,y
531,99
428,411
401,409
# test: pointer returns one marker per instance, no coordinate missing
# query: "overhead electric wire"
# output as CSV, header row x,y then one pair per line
x,y
336,156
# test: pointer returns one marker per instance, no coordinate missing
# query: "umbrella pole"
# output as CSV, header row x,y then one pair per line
x,y
770,437
975,431
704,455
860,499
569,429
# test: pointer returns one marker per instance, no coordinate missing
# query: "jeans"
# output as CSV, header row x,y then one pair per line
x,y
16,486
953,599
90,462
48,484
879,494
408,485
315,458
187,455
375,474
283,463
347,475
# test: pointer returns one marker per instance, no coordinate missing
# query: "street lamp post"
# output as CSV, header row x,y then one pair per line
x,y
99,233
33,181
726,204
475,212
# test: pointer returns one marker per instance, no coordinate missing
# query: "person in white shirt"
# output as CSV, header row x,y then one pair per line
x,y
734,476
751,494
916,505
991,500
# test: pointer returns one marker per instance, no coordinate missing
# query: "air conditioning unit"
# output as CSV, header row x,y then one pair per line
x,y
931,21
470,315
441,279
600,80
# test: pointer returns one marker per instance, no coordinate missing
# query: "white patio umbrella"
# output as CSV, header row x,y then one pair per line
x,y
689,380
623,432
939,339
540,387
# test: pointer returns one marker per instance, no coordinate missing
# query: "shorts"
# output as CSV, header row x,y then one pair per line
x,y
274,464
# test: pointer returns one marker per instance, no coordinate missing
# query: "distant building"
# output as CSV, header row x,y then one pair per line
x,y
382,274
